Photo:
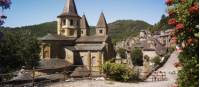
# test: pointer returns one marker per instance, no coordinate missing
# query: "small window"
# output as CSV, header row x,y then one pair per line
x,y
100,31
81,32
64,22
93,60
71,32
71,22
77,22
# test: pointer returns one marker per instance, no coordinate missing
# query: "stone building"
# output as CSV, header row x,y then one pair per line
x,y
74,43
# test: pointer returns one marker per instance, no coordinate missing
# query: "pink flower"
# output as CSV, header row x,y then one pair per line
x,y
189,41
179,26
194,9
169,2
171,13
172,21
182,1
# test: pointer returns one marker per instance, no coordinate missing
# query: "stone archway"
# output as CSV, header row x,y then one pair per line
x,y
46,51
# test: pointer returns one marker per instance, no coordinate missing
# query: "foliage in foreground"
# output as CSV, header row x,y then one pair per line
x,y
119,72
18,49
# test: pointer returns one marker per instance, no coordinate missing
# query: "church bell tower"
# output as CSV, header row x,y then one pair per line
x,y
68,22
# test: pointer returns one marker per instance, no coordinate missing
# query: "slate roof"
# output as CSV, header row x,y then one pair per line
x,y
148,49
52,37
164,35
92,39
89,47
160,49
86,47
102,22
84,24
142,44
69,9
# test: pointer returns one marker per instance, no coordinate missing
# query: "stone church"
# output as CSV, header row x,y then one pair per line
x,y
74,43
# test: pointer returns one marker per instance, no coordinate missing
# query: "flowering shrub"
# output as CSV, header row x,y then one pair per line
x,y
4,4
172,21
184,15
119,72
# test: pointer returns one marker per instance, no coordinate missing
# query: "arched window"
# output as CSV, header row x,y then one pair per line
x,y
71,22
46,51
64,22
81,31
77,22
93,60
100,31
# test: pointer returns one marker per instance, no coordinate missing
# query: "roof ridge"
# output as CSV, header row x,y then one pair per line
x,y
102,21
69,9
84,23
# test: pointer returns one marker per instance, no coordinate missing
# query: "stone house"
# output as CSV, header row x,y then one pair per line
x,y
74,43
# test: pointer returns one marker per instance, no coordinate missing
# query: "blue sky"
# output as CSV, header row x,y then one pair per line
x,y
30,12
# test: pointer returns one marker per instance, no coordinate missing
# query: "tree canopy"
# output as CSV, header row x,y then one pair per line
x,y
137,56
18,49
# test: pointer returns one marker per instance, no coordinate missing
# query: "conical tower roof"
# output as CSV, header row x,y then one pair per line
x,y
84,24
69,9
102,22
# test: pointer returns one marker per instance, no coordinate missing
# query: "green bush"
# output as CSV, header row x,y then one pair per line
x,y
118,72
170,49
137,57
156,60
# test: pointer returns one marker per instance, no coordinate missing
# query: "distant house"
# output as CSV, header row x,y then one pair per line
x,y
150,45
74,43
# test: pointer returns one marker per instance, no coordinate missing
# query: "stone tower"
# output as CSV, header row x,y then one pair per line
x,y
68,22
84,26
102,27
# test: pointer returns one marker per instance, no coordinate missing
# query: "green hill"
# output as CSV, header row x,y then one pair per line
x,y
118,30
122,29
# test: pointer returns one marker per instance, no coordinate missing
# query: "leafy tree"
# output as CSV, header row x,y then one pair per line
x,y
18,49
183,16
137,56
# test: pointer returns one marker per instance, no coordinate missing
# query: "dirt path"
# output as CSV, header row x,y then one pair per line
x,y
168,67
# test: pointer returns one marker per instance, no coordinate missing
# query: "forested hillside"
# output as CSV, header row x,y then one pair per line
x,y
118,30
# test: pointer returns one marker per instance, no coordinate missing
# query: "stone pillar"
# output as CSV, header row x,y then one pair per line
x,y
58,25
130,63
89,60
99,64
50,47
67,32
75,33
42,51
